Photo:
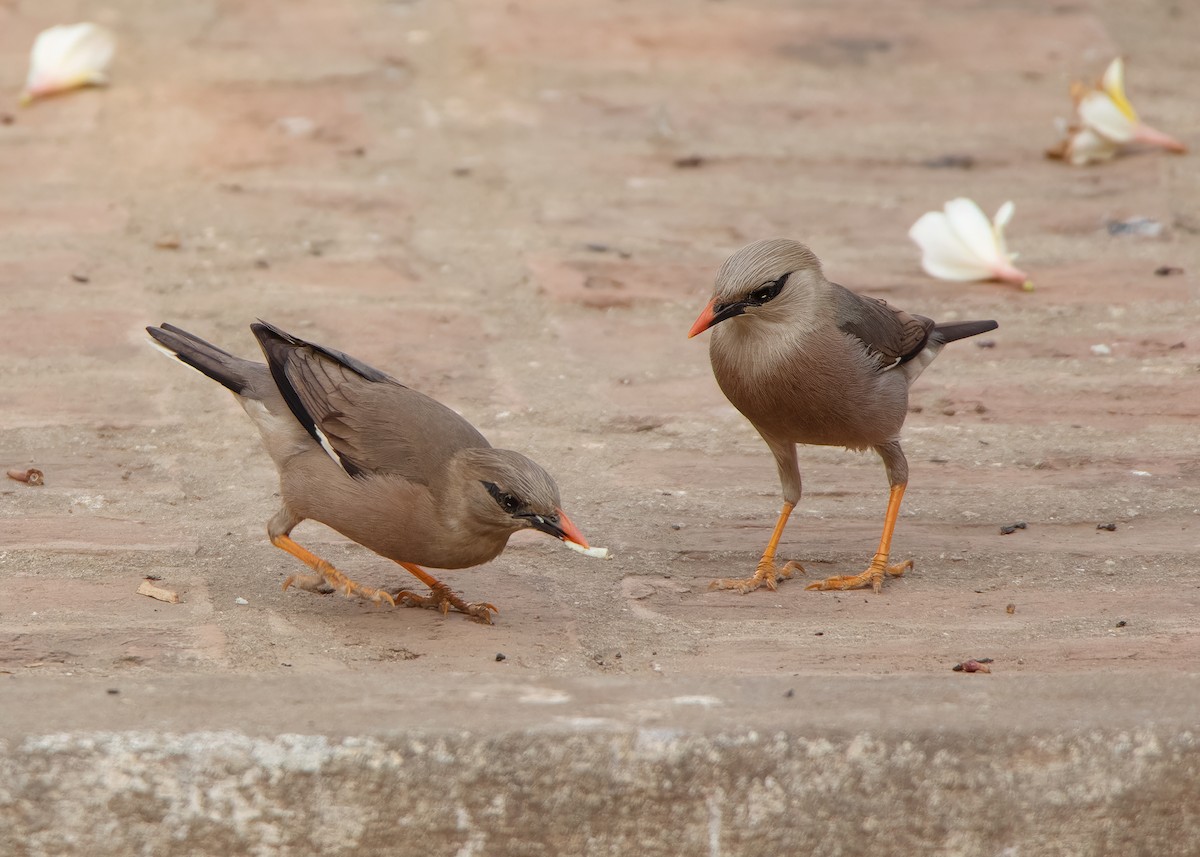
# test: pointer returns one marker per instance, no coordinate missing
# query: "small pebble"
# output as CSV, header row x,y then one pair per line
x,y
1010,609
240,600
500,656
1122,623
1135,226
1110,527
1167,270
790,693
1101,350
949,162
112,691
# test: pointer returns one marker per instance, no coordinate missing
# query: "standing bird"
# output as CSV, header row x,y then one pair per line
x,y
807,361
382,464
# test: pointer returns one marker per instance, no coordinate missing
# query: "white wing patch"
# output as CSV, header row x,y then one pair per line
x,y
328,447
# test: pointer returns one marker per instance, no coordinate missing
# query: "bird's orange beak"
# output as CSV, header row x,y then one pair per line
x,y
570,532
708,317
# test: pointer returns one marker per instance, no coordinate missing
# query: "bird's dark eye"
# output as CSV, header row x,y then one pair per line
x,y
506,501
768,291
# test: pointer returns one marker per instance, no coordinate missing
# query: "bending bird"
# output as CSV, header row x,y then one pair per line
x,y
384,465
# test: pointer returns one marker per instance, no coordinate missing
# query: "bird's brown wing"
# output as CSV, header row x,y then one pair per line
x,y
891,335
366,420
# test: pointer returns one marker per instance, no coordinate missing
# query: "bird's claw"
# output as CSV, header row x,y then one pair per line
x,y
329,579
767,574
442,597
309,583
872,577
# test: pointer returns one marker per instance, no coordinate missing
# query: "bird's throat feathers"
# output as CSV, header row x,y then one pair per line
x,y
770,336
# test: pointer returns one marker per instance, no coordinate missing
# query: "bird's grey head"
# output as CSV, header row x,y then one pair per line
x,y
768,280
509,491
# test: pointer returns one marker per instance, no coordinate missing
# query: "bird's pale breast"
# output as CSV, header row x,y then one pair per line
x,y
824,390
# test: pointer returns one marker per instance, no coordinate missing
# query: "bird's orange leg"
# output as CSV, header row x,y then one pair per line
x,y
441,597
325,573
767,573
873,576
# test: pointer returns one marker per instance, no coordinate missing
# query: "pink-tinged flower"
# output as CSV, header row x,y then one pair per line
x,y
960,244
1084,146
1106,121
67,57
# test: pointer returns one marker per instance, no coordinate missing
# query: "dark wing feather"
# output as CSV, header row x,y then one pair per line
x,y
373,423
892,335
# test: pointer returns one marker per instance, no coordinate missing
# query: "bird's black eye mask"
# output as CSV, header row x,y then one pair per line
x,y
765,293
506,501
550,524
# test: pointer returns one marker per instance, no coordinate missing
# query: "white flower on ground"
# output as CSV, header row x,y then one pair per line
x,y
1084,146
1106,121
67,57
960,244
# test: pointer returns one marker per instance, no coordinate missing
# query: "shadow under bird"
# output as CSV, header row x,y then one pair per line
x,y
384,465
808,361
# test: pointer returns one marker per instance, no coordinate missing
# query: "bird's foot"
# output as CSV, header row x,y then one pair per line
x,y
767,574
442,597
329,579
872,577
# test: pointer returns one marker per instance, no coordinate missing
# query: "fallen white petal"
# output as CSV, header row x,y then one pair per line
x,y
1114,77
943,254
1113,84
1100,113
1085,146
598,553
1003,215
973,228
68,56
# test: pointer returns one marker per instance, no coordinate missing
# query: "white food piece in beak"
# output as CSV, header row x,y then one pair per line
x,y
598,553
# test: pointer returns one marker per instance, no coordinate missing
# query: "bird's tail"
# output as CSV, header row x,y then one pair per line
x,y
942,333
954,330
233,372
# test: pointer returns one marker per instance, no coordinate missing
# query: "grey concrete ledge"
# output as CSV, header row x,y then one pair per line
x,y
1009,766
